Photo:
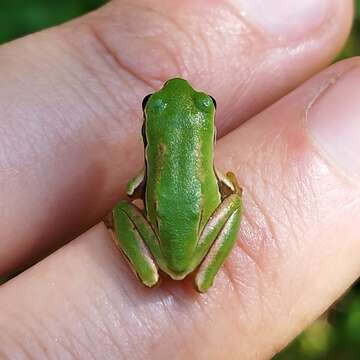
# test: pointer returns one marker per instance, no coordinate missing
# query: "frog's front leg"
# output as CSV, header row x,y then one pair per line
x,y
217,240
137,240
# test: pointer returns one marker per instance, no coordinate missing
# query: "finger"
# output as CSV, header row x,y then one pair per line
x,y
298,250
69,99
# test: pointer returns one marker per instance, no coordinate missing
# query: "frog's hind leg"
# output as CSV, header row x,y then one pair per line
x,y
136,239
217,240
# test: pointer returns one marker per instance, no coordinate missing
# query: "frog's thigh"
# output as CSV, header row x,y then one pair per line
x,y
135,238
219,235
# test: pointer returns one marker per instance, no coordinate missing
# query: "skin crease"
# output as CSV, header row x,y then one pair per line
x,y
83,301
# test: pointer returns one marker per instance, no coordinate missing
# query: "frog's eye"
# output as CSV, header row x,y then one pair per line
x,y
158,105
214,101
204,102
145,100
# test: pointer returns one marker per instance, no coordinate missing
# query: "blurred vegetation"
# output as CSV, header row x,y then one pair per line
x,y
352,47
336,336
21,17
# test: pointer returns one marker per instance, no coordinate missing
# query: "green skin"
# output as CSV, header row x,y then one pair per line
x,y
191,212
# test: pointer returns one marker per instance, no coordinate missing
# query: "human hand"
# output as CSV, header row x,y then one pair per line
x,y
70,139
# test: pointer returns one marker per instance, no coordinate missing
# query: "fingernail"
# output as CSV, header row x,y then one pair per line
x,y
287,19
334,121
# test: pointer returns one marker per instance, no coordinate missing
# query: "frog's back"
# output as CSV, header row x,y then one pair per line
x,y
182,189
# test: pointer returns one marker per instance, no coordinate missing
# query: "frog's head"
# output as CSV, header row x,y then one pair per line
x,y
178,96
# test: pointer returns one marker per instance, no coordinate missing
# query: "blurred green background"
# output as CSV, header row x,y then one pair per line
x,y
337,334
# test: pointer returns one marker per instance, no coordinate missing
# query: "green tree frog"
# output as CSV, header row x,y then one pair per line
x,y
191,213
